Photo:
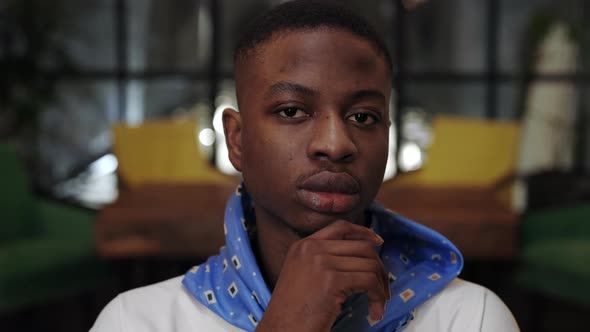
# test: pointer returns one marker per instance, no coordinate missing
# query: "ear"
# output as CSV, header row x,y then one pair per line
x,y
232,127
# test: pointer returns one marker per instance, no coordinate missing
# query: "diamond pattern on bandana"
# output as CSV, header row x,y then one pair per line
x,y
419,261
391,277
210,297
253,319
434,276
404,258
232,289
236,262
407,295
256,297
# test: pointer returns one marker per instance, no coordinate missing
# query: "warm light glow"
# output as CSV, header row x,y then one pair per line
x,y
218,117
410,157
207,137
391,166
221,157
107,164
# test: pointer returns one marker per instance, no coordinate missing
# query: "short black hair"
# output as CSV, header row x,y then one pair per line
x,y
307,15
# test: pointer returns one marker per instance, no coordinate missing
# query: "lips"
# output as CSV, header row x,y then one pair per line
x,y
329,192
329,182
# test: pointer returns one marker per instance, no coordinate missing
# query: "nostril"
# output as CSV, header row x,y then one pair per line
x,y
348,158
321,155
334,157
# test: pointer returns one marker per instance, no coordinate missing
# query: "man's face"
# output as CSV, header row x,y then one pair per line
x,y
312,138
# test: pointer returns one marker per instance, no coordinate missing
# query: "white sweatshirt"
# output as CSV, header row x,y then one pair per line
x,y
167,306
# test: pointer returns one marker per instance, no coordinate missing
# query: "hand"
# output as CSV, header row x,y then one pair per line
x,y
320,272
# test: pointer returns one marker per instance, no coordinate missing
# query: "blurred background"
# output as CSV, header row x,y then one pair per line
x,y
114,174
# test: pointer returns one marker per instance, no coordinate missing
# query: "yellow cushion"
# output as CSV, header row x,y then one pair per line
x,y
164,151
472,152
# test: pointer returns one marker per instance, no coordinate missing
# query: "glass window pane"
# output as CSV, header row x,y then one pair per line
x,y
584,35
75,129
463,99
523,23
75,34
168,35
380,14
446,35
510,101
162,98
235,15
584,130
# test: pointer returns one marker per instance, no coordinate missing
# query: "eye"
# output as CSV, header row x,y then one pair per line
x,y
363,118
292,113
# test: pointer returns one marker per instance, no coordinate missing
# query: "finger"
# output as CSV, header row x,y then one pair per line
x,y
349,248
356,264
376,310
361,249
365,282
385,279
335,254
343,230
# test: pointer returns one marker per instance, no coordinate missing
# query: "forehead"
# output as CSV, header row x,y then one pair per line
x,y
302,53
301,46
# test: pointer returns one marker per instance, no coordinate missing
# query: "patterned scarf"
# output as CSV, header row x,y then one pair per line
x,y
420,263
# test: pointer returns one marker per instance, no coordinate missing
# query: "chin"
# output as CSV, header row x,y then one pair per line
x,y
316,221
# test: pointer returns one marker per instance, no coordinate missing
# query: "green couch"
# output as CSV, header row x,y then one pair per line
x,y
556,253
47,250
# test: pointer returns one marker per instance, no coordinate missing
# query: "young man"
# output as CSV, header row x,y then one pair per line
x,y
313,84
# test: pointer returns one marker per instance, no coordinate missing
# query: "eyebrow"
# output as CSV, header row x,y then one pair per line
x,y
361,94
285,86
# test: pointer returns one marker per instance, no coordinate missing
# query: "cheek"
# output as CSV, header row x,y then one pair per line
x,y
271,143
269,168
375,157
268,155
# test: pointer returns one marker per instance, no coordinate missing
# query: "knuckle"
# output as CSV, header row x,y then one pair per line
x,y
294,251
301,248
375,267
341,223
307,247
379,279
343,226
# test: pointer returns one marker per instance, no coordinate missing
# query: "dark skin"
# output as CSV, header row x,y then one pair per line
x,y
311,140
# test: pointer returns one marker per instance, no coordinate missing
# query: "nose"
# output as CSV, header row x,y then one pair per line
x,y
331,140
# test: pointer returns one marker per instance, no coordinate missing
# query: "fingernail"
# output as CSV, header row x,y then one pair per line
x,y
379,238
377,318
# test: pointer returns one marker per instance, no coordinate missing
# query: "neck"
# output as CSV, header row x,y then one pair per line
x,y
273,240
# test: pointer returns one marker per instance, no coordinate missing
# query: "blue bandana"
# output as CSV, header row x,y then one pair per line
x,y
420,263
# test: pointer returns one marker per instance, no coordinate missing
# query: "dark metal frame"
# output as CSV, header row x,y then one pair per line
x,y
491,77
